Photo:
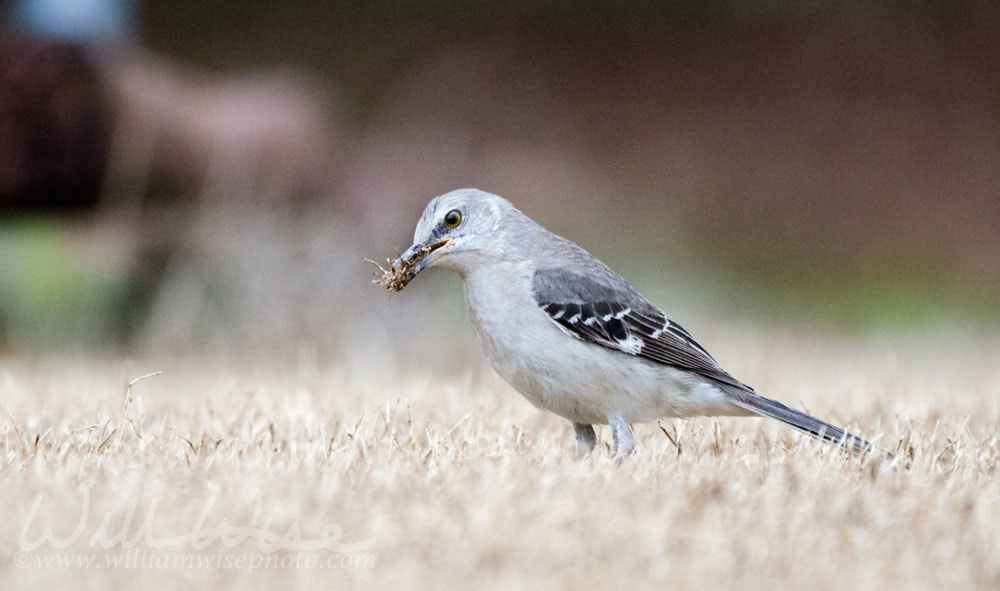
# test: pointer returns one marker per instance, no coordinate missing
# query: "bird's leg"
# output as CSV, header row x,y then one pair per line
x,y
586,439
622,434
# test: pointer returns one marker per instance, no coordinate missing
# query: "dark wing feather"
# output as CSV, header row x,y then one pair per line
x,y
619,318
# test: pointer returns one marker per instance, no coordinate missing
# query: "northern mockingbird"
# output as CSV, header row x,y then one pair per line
x,y
572,335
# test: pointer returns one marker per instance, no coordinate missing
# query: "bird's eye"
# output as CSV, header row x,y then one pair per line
x,y
453,218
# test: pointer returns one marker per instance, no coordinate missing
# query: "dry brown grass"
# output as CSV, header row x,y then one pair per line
x,y
460,482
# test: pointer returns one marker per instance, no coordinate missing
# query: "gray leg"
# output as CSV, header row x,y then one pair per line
x,y
622,433
586,439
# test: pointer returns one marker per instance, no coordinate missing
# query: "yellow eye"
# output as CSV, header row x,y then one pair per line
x,y
453,218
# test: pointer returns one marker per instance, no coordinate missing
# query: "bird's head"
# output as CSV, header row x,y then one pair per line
x,y
458,230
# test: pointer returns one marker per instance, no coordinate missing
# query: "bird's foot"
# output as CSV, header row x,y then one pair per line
x,y
586,439
622,434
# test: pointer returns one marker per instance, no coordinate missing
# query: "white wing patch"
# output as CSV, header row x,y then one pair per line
x,y
631,345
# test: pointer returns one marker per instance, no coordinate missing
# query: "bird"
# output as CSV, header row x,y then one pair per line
x,y
573,336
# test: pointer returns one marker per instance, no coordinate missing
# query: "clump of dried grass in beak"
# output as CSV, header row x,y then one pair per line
x,y
402,270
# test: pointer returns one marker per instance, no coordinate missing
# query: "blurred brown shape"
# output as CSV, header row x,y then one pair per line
x,y
191,151
260,139
53,125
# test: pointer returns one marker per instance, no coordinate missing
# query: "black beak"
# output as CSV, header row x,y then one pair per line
x,y
418,256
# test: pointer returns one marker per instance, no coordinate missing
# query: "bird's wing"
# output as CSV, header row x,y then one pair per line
x,y
602,308
612,314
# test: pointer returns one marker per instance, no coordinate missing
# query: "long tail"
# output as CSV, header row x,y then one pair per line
x,y
809,425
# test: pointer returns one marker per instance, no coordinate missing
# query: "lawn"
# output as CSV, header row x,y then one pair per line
x,y
312,471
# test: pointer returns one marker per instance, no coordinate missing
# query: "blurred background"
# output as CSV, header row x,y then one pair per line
x,y
187,176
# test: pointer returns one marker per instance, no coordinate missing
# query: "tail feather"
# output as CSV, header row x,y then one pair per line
x,y
799,420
